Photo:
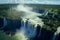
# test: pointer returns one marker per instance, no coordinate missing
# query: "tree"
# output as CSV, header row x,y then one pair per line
x,y
51,20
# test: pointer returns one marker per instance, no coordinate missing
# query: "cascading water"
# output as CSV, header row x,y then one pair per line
x,y
55,37
29,20
31,24
4,21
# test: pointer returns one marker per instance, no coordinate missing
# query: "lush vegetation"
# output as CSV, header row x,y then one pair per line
x,y
51,21
4,36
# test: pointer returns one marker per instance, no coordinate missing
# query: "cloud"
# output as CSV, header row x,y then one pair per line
x,y
32,1
40,1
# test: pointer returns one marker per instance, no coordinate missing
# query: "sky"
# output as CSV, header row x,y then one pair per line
x,y
31,1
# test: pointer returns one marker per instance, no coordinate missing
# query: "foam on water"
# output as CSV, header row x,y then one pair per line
x,y
26,13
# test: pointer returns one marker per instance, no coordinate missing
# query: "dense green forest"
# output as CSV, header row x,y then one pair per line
x,y
51,20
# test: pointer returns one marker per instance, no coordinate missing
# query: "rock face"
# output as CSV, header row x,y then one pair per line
x,y
37,34
1,22
59,37
44,35
11,26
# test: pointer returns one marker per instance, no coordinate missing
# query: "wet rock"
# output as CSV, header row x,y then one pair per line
x,y
1,22
12,26
59,37
44,35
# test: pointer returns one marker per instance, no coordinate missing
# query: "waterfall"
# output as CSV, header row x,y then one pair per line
x,y
40,32
4,23
55,37
29,28
29,20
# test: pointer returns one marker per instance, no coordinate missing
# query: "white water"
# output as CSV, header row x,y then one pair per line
x,y
56,33
25,12
4,23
